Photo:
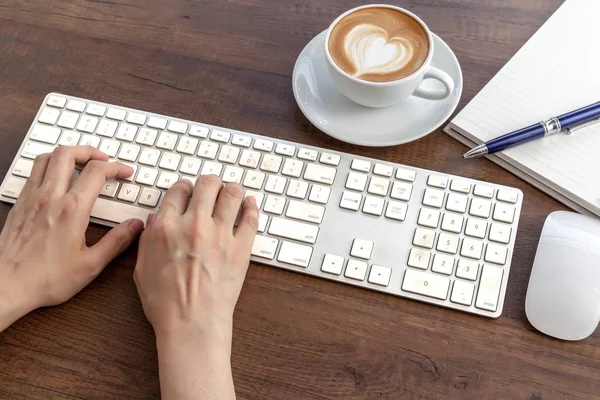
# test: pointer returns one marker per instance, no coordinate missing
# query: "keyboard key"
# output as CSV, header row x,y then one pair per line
x,y
149,157
45,134
332,264
242,141
496,254
208,150
190,165
378,186
419,258
305,211
271,163
426,284
110,147
232,174
56,101
401,191
76,105
147,176
116,114
166,180
254,180
32,150
356,181
211,168
489,288
264,247
129,152
307,154
167,141
462,293
87,124
297,189
396,210
350,201
158,123
292,167
460,186
424,238
263,145
383,170
285,149
274,205
405,175
199,131
483,191
356,270
500,233
380,275
433,198
220,136
503,213
126,132
69,138
457,202
69,120
275,184
373,205
467,269
187,145
106,128
258,196
480,208
448,243
250,159
471,248
476,228
110,188
429,218
149,197
320,174
452,223
133,166
89,140
508,196
294,254
177,127
329,159
262,222
117,212
147,137
22,168
319,194
299,231
128,192
360,165
443,264
49,116
229,154
361,249
136,118
437,181
13,187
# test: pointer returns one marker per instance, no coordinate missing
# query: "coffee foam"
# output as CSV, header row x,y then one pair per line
x,y
378,44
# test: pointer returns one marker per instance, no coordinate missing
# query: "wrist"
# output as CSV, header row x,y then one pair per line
x,y
213,332
14,303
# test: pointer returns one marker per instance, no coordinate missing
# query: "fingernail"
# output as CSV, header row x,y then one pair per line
x,y
150,220
135,225
252,200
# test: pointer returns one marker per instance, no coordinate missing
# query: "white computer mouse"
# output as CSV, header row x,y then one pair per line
x,y
563,297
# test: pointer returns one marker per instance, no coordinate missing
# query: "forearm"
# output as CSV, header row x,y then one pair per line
x,y
13,303
194,364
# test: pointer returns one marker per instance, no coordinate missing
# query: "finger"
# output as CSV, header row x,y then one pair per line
x,y
206,190
228,204
150,221
113,243
88,185
38,171
63,161
248,225
176,200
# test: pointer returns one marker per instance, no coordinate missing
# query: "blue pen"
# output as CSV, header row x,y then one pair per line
x,y
566,123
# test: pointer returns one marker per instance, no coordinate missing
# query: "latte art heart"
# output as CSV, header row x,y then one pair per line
x,y
370,50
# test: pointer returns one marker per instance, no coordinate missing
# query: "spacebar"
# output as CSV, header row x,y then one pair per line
x,y
114,211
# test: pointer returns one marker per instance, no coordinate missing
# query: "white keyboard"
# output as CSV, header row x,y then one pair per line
x,y
401,230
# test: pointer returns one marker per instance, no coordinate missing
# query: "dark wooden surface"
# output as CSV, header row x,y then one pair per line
x,y
229,63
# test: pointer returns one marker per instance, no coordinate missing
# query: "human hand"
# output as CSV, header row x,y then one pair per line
x,y
44,259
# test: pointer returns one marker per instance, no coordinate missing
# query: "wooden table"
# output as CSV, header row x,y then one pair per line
x,y
229,63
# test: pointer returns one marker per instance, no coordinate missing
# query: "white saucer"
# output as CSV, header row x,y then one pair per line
x,y
333,113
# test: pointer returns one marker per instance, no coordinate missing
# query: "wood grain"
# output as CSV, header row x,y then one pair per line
x,y
229,63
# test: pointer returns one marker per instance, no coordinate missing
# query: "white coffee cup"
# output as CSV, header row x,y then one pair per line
x,y
385,94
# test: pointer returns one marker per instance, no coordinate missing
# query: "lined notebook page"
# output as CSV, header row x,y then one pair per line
x,y
556,71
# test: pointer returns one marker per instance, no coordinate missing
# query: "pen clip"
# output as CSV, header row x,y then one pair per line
x,y
569,131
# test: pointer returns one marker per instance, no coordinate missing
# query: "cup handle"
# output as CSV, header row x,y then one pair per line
x,y
441,76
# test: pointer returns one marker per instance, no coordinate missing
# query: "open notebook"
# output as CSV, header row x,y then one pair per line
x,y
556,71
